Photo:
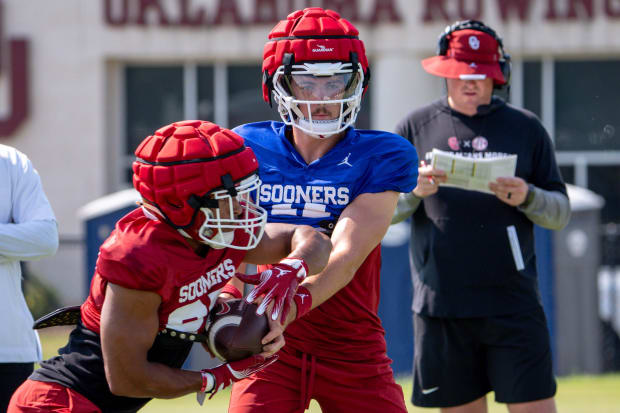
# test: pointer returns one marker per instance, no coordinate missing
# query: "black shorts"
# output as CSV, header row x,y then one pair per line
x,y
457,361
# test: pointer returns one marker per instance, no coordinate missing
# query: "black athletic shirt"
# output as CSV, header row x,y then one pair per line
x,y
79,366
464,266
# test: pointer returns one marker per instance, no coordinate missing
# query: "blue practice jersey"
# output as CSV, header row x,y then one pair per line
x,y
347,325
364,161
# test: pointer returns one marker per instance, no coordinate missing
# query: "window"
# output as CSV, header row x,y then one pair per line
x,y
245,96
206,93
154,96
586,105
603,180
363,117
568,174
532,87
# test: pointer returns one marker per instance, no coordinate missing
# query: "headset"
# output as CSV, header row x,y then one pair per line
x,y
505,64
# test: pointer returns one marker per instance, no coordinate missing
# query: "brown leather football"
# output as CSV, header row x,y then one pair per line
x,y
235,331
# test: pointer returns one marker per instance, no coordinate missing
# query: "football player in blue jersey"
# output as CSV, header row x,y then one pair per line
x,y
317,169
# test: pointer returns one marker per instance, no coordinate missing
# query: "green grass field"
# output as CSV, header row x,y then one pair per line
x,y
576,394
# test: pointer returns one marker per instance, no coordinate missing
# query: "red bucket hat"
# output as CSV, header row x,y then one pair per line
x,y
471,54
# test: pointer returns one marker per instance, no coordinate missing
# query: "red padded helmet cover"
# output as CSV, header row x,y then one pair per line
x,y
188,158
311,35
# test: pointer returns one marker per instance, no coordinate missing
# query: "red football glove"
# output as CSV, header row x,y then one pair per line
x,y
278,283
222,376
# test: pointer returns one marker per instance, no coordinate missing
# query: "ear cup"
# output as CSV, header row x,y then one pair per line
x,y
506,68
442,44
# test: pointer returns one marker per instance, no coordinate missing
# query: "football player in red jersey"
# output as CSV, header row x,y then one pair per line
x,y
159,273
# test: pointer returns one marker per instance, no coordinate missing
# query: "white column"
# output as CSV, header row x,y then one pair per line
x,y
399,85
516,83
190,91
548,96
220,94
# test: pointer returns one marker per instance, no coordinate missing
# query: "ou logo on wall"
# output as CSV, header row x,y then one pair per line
x,y
17,65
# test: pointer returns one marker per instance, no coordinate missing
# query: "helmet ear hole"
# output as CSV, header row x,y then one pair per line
x,y
174,203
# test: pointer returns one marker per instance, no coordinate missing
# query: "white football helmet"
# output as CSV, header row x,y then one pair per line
x,y
234,212
322,99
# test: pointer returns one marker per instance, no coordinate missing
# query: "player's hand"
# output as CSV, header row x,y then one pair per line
x,y
510,190
228,373
278,285
429,179
274,340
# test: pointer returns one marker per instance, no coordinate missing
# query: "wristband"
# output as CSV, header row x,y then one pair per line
x,y
208,382
232,290
529,197
303,300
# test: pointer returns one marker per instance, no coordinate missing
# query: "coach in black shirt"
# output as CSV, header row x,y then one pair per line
x,y
478,321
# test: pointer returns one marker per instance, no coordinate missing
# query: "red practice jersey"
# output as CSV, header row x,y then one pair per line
x,y
145,254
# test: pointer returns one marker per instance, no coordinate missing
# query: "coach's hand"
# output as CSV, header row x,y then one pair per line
x,y
510,190
278,283
429,179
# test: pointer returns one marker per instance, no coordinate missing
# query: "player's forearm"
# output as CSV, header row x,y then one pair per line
x,y
353,241
358,231
338,273
406,206
154,380
549,209
29,240
236,283
311,245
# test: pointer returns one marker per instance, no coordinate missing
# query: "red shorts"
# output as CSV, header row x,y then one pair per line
x,y
38,396
290,383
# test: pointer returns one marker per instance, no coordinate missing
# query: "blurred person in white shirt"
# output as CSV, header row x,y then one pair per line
x,y
28,231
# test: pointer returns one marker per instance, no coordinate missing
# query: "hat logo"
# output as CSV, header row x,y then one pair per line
x,y
473,64
474,43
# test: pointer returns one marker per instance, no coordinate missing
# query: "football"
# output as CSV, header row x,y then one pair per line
x,y
235,331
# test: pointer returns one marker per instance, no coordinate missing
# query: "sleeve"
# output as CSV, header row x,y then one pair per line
x,y
33,232
393,167
407,202
29,240
550,207
406,206
130,266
